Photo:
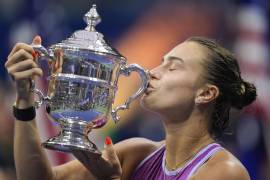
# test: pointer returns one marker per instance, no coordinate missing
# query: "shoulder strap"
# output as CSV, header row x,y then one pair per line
x,y
161,148
208,152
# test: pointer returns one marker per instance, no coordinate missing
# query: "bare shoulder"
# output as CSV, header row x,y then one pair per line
x,y
222,165
132,151
141,146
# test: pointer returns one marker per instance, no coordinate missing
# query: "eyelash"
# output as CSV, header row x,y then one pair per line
x,y
172,69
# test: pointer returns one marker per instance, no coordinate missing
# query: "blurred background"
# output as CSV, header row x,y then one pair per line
x,y
143,31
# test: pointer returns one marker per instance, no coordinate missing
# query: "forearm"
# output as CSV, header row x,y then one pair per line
x,y
30,158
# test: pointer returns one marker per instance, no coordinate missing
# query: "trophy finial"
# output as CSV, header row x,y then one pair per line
x,y
92,18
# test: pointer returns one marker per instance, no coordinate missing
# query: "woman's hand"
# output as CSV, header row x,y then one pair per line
x,y
22,67
106,166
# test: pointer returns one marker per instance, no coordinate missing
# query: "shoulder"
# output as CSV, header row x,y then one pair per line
x,y
132,151
222,165
140,145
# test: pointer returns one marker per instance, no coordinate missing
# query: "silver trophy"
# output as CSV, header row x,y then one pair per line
x,y
84,72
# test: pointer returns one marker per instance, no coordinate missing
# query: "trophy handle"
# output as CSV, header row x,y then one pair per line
x,y
41,98
42,52
126,70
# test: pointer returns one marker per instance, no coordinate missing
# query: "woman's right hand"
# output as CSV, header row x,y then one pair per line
x,y
22,67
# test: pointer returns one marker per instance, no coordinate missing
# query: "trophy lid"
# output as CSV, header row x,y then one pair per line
x,y
89,38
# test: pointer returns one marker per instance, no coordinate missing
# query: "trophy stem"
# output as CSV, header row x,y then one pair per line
x,y
69,140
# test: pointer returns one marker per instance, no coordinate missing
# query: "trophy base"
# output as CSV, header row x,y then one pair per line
x,y
69,142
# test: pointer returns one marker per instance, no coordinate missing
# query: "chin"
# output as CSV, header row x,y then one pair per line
x,y
148,103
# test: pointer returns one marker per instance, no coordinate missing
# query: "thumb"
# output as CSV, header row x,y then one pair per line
x,y
111,155
37,40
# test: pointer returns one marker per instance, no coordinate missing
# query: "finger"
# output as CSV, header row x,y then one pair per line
x,y
36,41
58,62
110,153
27,74
18,56
90,161
19,46
22,66
81,154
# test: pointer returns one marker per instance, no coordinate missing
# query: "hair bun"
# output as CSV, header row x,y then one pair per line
x,y
245,95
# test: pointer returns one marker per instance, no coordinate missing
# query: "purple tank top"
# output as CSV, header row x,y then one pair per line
x,y
153,166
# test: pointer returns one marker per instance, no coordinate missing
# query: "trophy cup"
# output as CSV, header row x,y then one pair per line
x,y
83,78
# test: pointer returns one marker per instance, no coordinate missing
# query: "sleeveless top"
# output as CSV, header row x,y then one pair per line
x,y
153,166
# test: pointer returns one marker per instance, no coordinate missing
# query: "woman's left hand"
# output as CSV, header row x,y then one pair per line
x,y
106,166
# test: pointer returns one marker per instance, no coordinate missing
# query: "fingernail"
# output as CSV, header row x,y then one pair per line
x,y
108,140
35,54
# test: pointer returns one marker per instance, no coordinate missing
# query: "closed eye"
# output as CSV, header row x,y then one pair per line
x,y
175,65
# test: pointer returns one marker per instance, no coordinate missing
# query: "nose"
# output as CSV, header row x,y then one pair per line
x,y
155,73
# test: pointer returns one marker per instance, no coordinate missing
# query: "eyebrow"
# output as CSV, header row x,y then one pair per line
x,y
170,58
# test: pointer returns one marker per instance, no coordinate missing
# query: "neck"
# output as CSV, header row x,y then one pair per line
x,y
184,140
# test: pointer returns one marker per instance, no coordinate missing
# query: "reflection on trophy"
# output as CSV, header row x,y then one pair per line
x,y
83,78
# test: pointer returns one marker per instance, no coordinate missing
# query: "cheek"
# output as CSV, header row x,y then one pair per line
x,y
171,95
177,96
177,92
178,85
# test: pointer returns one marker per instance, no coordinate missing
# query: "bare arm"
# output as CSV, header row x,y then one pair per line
x,y
30,159
32,163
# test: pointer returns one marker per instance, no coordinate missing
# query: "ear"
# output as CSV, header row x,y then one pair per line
x,y
206,94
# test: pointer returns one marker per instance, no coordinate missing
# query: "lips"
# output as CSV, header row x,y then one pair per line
x,y
150,88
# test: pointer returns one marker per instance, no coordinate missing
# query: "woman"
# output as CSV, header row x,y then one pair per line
x,y
193,89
